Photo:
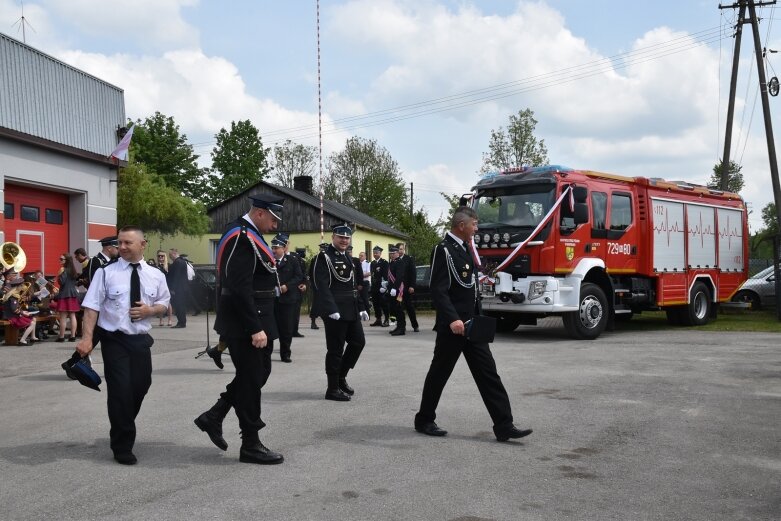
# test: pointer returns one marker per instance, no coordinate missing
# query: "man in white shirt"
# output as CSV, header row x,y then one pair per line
x,y
122,298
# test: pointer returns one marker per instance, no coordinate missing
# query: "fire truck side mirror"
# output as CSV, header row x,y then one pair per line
x,y
581,213
580,194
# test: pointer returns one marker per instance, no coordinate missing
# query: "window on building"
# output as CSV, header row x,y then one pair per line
x,y
30,213
8,211
53,216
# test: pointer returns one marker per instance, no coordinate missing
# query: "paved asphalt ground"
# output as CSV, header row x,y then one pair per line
x,y
674,424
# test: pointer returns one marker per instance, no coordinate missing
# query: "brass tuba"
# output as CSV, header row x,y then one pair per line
x,y
21,292
12,257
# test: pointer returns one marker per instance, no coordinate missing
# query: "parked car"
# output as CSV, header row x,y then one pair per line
x,y
759,290
422,289
204,286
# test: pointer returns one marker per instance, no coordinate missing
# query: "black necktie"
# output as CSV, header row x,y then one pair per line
x,y
135,285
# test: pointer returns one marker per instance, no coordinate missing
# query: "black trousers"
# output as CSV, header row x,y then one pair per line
x,y
297,315
128,369
340,359
447,349
179,303
285,314
380,305
409,307
253,367
397,310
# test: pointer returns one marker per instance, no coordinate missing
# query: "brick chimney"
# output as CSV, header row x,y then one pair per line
x,y
303,183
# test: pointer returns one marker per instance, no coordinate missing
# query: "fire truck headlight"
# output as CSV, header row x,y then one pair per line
x,y
496,237
506,237
537,289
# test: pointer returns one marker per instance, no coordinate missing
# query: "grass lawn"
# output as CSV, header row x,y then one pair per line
x,y
728,320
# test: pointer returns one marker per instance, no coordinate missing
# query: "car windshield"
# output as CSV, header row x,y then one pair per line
x,y
516,207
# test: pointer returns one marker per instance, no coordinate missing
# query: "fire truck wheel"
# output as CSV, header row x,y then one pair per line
x,y
698,311
590,320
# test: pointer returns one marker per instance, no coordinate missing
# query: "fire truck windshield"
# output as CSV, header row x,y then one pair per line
x,y
517,207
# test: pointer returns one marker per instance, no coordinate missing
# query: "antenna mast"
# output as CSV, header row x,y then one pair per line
x,y
22,22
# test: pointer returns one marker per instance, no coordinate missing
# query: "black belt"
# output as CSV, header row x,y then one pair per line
x,y
258,293
344,293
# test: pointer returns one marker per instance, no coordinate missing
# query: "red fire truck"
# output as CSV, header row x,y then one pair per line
x,y
595,248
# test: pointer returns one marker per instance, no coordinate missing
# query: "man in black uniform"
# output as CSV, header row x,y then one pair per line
x,y
286,305
361,287
299,256
408,272
454,291
247,278
379,269
107,254
396,291
179,286
342,311
310,277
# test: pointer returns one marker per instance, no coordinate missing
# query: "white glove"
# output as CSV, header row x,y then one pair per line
x,y
384,284
334,316
383,290
393,292
364,316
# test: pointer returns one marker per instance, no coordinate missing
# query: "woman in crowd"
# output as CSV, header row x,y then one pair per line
x,y
67,296
162,265
13,312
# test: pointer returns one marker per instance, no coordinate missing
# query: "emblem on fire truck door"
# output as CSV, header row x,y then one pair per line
x,y
570,252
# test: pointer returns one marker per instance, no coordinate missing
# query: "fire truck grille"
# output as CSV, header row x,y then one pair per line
x,y
521,265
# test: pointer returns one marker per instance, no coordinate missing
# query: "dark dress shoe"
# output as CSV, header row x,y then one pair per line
x,y
344,386
206,424
337,395
385,324
415,329
398,332
125,458
375,323
215,355
60,339
178,326
513,433
286,359
314,326
430,429
260,454
298,335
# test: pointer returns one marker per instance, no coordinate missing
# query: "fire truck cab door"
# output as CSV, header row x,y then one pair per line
x,y
619,234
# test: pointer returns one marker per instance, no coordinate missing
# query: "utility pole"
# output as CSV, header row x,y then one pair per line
x,y
411,198
725,159
771,147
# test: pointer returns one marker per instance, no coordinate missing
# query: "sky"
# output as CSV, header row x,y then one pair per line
x,y
633,88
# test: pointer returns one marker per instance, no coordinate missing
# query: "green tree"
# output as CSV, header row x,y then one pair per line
x,y
735,181
423,235
517,146
364,176
291,160
158,144
144,199
238,162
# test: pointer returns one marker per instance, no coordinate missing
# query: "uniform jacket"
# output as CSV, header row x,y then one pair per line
x,y
334,285
379,269
95,263
177,276
407,271
454,289
290,274
242,311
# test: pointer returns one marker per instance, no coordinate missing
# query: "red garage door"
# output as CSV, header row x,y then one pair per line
x,y
38,221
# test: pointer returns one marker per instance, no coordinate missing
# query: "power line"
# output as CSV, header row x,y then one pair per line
x,y
504,90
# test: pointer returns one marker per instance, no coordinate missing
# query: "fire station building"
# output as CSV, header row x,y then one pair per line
x,y
58,126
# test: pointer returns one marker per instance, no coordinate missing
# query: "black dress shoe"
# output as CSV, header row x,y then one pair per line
x,y
260,454
415,329
385,324
513,433
286,359
125,458
178,326
215,355
298,335
206,424
345,387
398,332
430,429
375,323
337,395
314,326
